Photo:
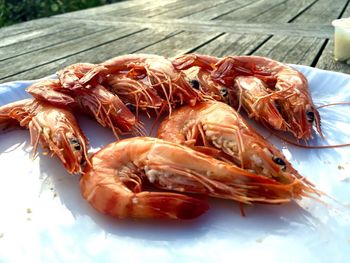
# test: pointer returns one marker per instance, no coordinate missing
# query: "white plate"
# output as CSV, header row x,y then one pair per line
x,y
44,218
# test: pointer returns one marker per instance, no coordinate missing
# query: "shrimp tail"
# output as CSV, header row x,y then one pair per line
x,y
190,60
166,205
106,197
51,91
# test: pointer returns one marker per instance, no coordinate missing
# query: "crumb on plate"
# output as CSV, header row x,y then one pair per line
x,y
340,167
259,240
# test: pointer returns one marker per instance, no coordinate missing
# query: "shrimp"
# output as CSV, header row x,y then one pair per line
x,y
70,76
215,125
200,79
108,110
137,93
152,70
257,102
98,102
113,182
55,128
281,98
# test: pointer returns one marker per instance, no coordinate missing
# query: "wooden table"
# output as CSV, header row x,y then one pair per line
x,y
292,31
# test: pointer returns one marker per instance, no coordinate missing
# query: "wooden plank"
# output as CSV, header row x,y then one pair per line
x,y
327,61
217,26
135,43
127,8
180,44
219,10
284,12
249,12
40,32
26,27
159,42
304,50
295,50
146,8
298,42
322,12
190,8
34,59
65,34
346,11
232,44
101,10
162,9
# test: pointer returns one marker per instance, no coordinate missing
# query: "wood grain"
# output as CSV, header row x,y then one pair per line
x,y
34,59
292,31
128,44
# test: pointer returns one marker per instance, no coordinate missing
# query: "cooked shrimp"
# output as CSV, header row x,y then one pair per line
x,y
96,101
135,92
156,71
216,125
200,79
286,90
108,110
112,184
257,102
55,128
70,76
249,92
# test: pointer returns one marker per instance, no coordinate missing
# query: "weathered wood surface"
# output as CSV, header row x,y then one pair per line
x,y
292,31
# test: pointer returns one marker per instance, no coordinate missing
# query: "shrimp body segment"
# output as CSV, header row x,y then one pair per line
x,y
288,90
169,83
113,183
215,125
138,93
156,72
271,92
55,128
98,102
70,76
256,100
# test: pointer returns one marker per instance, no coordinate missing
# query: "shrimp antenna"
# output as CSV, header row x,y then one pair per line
x,y
304,145
164,107
313,146
139,128
334,104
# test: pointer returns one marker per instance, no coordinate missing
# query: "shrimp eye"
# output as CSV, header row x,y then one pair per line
x,y
223,92
194,83
75,143
77,147
310,116
130,106
278,106
280,162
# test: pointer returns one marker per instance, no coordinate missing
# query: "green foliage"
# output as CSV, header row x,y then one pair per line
x,y
14,11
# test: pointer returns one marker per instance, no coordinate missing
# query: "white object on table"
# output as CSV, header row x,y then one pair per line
x,y
342,39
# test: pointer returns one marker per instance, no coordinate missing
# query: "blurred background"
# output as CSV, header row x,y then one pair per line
x,y
15,11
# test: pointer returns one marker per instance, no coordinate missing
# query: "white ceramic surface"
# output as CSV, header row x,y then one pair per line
x,y
44,218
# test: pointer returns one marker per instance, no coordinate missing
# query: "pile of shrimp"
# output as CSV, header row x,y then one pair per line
x,y
204,146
